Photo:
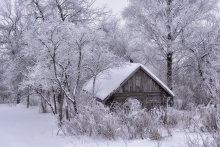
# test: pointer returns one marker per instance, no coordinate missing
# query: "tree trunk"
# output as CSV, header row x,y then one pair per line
x,y
170,70
78,78
54,100
170,75
169,54
28,101
60,100
43,102
67,112
74,105
93,86
43,106
28,97
18,100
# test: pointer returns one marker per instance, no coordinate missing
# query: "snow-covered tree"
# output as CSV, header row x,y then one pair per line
x,y
14,22
160,23
200,63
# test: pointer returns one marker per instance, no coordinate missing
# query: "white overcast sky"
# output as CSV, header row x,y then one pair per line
x,y
116,6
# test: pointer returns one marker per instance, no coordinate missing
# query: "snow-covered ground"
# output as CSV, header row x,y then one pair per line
x,y
21,127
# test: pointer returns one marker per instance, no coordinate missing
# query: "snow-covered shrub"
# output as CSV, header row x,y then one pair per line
x,y
128,122
173,117
154,134
137,122
203,140
132,104
183,119
210,119
216,138
199,142
131,121
93,122
188,120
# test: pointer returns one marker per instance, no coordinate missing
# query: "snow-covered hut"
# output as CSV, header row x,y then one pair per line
x,y
130,80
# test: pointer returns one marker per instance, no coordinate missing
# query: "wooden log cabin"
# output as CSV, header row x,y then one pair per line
x,y
130,80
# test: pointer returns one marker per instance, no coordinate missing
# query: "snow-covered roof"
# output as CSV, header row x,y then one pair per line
x,y
111,79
